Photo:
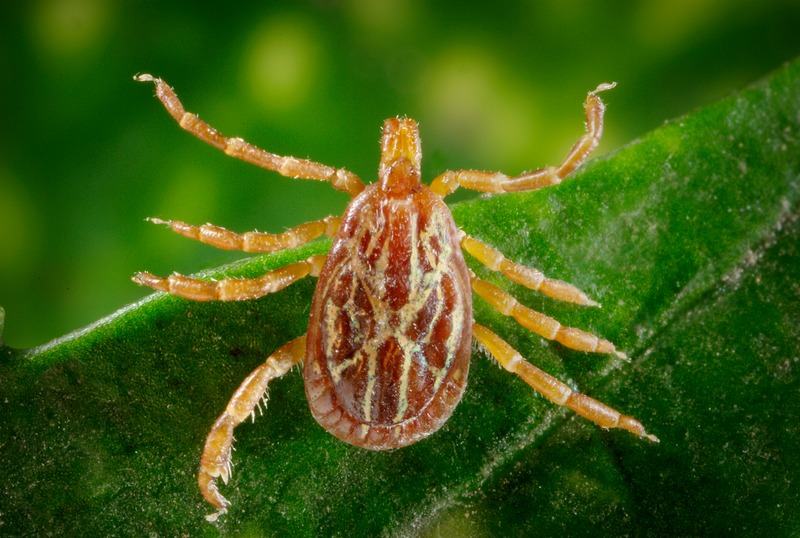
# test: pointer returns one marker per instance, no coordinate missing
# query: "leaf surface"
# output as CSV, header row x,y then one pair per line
x,y
689,237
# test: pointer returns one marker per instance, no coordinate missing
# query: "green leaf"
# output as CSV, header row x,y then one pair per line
x,y
690,239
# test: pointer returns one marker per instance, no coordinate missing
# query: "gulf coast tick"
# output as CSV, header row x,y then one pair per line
x,y
387,353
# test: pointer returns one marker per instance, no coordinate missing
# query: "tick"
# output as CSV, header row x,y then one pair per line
x,y
387,352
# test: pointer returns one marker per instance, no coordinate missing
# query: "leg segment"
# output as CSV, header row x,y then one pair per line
x,y
527,276
216,459
219,237
341,179
232,289
544,326
553,389
478,180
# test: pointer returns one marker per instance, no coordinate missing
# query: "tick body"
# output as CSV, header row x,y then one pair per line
x,y
386,356
390,331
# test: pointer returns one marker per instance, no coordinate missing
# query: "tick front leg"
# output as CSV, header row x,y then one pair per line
x,y
554,390
478,180
216,459
232,289
541,324
261,242
340,178
527,276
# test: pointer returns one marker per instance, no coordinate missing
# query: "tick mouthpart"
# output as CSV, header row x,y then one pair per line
x,y
401,156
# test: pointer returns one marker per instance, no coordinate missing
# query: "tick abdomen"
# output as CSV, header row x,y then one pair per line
x,y
390,328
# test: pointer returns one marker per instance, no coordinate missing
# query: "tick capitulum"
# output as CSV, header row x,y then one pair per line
x,y
386,355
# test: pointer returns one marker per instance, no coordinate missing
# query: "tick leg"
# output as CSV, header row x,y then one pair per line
x,y
216,459
554,390
527,276
478,180
544,326
340,179
232,289
219,237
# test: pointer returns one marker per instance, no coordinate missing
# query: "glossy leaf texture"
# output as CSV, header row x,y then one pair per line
x,y
689,238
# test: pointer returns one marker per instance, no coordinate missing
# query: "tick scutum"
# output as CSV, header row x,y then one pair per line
x,y
389,336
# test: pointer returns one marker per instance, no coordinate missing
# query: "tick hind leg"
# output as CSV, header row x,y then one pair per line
x,y
543,325
256,242
232,289
478,180
527,276
554,390
216,459
340,178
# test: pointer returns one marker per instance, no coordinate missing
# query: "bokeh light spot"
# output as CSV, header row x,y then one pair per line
x,y
665,25
474,108
190,194
281,63
382,19
69,28
20,229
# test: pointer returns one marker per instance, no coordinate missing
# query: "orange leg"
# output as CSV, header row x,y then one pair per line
x,y
540,324
553,389
449,181
340,179
232,289
216,459
527,276
219,237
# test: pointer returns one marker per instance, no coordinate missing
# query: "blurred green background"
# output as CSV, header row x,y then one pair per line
x,y
86,154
